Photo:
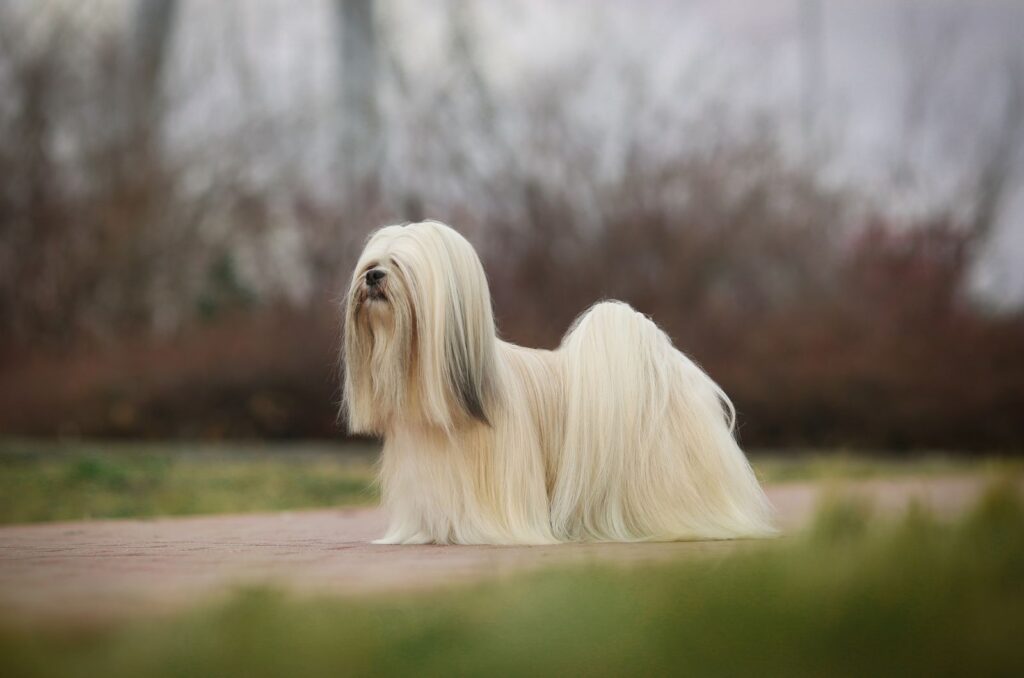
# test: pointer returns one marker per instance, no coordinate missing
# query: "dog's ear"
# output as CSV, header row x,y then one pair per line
x,y
455,329
467,360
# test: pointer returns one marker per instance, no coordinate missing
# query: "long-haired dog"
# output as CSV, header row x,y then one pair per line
x,y
614,436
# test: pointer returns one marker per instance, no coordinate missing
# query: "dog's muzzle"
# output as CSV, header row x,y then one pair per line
x,y
375,283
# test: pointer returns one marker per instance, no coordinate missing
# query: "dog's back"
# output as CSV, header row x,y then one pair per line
x,y
648,450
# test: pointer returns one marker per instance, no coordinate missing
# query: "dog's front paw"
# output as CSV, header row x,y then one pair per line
x,y
391,539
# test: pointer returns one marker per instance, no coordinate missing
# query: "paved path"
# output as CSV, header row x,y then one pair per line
x,y
112,568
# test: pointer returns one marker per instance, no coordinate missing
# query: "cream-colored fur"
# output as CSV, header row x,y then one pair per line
x,y
614,436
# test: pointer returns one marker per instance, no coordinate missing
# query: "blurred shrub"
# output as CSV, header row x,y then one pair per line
x,y
268,374
139,300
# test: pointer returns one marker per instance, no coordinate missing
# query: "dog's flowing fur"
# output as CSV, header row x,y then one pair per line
x,y
614,436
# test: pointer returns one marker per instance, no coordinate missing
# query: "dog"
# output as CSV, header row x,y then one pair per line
x,y
614,436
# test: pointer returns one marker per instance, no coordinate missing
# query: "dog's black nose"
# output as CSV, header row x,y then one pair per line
x,y
374,276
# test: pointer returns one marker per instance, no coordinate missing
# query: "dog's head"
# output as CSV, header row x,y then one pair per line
x,y
419,332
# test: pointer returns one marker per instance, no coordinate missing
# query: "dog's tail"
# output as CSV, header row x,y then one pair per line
x,y
648,448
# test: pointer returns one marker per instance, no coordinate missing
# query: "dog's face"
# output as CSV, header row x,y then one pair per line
x,y
419,331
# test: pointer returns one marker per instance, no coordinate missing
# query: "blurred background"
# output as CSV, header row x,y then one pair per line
x,y
822,201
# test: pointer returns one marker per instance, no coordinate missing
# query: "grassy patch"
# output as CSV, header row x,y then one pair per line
x,y
44,481
852,597
845,465
118,481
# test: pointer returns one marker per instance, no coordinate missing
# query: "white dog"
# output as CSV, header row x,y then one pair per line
x,y
614,436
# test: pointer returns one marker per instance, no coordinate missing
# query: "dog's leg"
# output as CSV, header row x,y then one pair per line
x,y
417,538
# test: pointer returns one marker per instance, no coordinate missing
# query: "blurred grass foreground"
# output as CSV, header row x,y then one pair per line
x,y
852,597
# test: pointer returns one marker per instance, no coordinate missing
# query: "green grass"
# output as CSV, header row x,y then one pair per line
x,y
851,597
846,465
46,481
73,482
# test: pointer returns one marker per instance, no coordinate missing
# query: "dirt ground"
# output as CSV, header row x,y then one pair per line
x,y
112,568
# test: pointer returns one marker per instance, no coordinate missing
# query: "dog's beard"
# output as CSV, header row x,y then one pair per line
x,y
378,354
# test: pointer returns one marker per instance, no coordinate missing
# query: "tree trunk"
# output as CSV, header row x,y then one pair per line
x,y
360,145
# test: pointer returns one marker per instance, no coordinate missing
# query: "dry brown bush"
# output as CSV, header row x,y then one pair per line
x,y
122,311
